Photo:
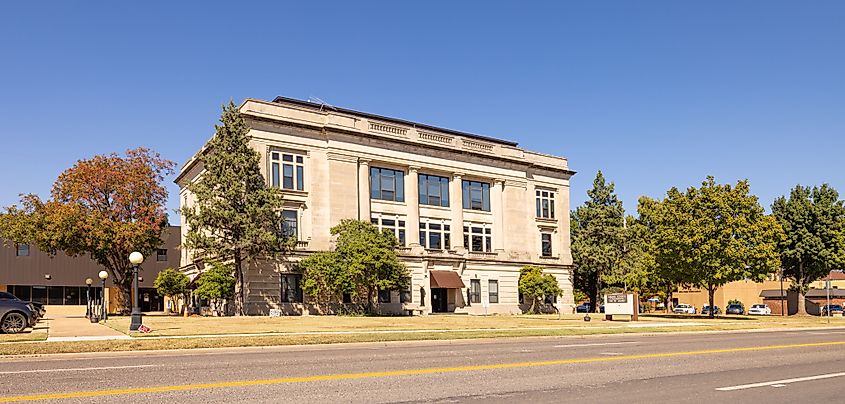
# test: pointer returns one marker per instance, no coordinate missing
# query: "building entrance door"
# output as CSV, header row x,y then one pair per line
x,y
439,301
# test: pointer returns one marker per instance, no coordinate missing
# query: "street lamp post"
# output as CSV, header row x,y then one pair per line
x,y
88,282
104,312
136,259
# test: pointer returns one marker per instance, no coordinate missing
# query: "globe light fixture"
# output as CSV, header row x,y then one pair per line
x,y
135,259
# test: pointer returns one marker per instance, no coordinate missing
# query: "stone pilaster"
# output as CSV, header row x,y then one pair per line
x,y
496,205
456,203
412,197
363,189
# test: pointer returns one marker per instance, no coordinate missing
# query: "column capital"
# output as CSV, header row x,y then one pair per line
x,y
499,181
364,161
413,169
458,176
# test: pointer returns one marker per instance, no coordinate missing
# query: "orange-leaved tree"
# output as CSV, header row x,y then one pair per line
x,y
105,207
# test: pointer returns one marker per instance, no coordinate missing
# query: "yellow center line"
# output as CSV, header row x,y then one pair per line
x,y
407,372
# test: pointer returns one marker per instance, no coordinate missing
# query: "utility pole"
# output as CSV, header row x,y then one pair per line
x,y
827,308
782,297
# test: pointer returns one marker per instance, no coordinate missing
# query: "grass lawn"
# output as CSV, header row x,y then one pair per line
x,y
179,326
460,326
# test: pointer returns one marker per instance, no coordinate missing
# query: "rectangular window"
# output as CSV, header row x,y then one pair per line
x,y
161,255
478,237
546,239
475,291
387,184
290,223
493,291
434,235
546,204
434,190
21,292
383,296
22,250
476,195
291,291
393,224
55,295
72,295
287,171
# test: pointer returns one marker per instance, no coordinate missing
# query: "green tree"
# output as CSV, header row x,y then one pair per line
x,y
718,234
105,207
535,285
814,223
598,238
364,261
236,214
172,283
216,283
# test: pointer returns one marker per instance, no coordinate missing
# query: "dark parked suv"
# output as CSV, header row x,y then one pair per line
x,y
735,309
15,316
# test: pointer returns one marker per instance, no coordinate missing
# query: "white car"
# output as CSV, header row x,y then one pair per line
x,y
684,309
759,310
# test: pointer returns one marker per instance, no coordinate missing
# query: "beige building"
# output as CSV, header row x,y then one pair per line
x,y
469,210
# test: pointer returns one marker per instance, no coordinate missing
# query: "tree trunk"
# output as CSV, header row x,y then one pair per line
x,y
711,290
597,294
802,305
668,298
370,300
239,285
533,304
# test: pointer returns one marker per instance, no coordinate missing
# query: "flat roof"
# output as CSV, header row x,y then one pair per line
x,y
315,105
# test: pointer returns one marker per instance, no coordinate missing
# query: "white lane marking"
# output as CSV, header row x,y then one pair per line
x,y
76,369
778,385
785,381
595,344
611,353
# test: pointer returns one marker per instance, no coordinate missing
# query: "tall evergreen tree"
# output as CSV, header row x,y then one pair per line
x,y
814,222
235,217
597,238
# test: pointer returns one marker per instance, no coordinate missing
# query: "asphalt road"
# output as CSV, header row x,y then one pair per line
x,y
770,367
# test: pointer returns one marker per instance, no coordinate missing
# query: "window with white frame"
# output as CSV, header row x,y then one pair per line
x,y
287,171
435,234
545,204
290,223
493,291
478,237
546,244
394,224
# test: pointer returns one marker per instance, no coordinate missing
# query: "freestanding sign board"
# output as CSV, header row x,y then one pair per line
x,y
621,304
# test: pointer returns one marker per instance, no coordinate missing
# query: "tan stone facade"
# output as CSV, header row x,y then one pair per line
x,y
509,204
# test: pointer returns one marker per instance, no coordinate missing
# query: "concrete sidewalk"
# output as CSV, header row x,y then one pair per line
x,y
79,328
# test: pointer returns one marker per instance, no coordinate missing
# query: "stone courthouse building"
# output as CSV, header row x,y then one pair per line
x,y
469,210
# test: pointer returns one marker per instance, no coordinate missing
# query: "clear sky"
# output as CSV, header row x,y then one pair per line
x,y
654,93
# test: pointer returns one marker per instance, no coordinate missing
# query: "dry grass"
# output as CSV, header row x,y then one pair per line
x,y
462,327
169,326
179,326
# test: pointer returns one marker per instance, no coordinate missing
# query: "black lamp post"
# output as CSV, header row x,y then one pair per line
x,y
104,312
136,259
88,282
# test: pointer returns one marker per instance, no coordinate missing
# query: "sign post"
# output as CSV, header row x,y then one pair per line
x,y
621,304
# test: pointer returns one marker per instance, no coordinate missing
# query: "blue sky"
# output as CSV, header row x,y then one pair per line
x,y
654,93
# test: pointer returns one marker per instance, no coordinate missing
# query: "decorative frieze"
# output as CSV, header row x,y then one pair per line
x,y
477,146
388,129
436,138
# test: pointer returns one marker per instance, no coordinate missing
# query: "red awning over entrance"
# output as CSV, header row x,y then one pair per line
x,y
446,280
